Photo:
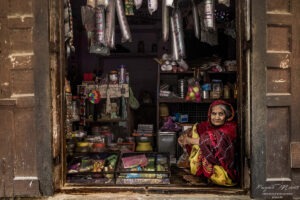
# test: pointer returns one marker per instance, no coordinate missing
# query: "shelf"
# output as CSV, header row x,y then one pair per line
x,y
192,72
224,73
181,100
105,120
130,55
177,73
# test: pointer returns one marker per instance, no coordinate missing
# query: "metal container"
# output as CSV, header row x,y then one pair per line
x,y
167,142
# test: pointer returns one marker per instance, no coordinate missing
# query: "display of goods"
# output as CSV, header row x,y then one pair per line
x,y
98,168
155,168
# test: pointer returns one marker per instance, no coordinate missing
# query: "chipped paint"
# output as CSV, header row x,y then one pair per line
x,y
276,12
284,64
22,95
13,56
21,54
5,84
22,17
273,94
18,178
279,81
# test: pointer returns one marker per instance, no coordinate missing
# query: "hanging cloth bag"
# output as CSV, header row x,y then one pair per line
x,y
133,102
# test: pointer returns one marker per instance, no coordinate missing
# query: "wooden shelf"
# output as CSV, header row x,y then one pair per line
x,y
105,120
224,73
176,73
181,100
130,55
192,72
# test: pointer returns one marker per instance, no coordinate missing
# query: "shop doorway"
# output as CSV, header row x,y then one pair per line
x,y
82,62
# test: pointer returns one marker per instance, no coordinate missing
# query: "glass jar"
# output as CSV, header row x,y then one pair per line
x,y
217,89
226,93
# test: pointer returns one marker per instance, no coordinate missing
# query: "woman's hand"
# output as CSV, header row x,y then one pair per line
x,y
190,140
182,139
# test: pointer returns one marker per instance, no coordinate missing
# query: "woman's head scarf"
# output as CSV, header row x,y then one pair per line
x,y
222,102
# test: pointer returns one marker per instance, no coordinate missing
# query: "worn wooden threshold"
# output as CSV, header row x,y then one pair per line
x,y
170,189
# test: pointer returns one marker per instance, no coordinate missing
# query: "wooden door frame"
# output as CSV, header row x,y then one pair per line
x,y
243,53
58,85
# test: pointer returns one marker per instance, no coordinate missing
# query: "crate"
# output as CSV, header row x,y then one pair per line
x,y
93,168
146,168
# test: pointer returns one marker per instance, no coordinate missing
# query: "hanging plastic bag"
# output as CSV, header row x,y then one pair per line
x,y
133,102
152,6
138,4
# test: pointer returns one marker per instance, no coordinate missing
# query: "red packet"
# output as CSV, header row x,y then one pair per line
x,y
134,161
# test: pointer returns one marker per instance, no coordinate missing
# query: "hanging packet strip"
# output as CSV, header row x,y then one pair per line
x,y
129,7
138,4
170,3
100,25
152,6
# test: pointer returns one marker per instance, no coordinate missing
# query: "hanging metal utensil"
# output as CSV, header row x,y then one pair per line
x,y
165,21
196,20
175,45
110,24
126,34
179,32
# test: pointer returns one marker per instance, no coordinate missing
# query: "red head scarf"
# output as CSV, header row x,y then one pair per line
x,y
228,128
221,102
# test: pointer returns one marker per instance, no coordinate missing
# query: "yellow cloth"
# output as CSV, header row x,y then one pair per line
x,y
219,175
194,156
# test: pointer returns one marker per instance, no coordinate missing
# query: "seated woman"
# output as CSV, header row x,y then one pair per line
x,y
210,145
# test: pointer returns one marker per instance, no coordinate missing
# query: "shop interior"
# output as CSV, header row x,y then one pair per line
x,y
128,99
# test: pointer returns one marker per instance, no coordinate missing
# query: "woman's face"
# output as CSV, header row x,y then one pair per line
x,y
217,116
